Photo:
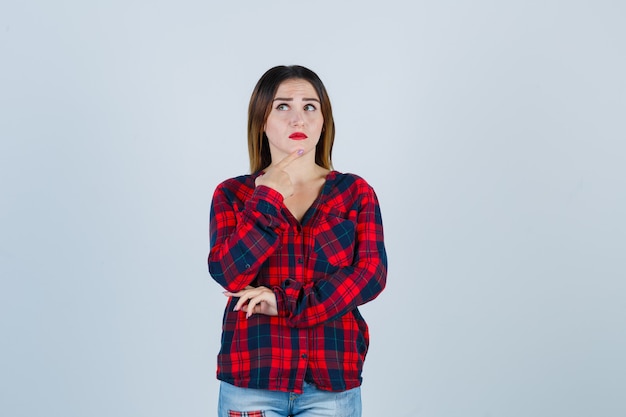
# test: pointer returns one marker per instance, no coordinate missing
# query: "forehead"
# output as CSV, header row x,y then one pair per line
x,y
296,87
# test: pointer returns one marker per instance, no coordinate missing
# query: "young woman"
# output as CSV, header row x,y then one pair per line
x,y
298,247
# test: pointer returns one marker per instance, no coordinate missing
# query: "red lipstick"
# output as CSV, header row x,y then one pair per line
x,y
298,136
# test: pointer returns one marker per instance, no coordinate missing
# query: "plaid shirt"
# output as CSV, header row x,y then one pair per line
x,y
320,270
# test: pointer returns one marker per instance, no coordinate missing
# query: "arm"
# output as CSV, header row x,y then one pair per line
x,y
326,299
242,238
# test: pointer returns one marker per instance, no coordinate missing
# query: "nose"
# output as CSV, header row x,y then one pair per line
x,y
297,118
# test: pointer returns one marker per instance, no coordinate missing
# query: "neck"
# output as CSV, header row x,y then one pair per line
x,y
304,169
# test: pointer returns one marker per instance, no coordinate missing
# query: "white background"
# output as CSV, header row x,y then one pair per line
x,y
493,132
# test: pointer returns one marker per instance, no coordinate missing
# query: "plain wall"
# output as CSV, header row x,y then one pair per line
x,y
493,132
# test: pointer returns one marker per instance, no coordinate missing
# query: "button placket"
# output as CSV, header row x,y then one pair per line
x,y
298,245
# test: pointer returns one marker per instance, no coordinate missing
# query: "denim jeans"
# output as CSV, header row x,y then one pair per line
x,y
248,402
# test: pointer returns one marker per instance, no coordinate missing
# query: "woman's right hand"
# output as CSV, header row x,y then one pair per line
x,y
277,178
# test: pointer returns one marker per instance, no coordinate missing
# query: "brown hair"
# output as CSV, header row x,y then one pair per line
x,y
261,105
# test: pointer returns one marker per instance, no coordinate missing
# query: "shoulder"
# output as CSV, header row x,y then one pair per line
x,y
240,187
236,181
349,191
349,182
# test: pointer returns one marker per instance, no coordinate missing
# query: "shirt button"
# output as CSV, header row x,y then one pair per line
x,y
304,356
300,260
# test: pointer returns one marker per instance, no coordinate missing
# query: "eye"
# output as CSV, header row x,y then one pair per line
x,y
310,107
282,107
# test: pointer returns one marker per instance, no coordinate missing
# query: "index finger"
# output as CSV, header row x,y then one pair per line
x,y
290,158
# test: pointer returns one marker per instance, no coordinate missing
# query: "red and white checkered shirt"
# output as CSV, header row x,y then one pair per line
x,y
320,270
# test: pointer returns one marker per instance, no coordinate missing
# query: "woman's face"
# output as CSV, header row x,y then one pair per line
x,y
296,119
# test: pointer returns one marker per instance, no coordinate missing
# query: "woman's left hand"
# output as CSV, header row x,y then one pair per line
x,y
259,300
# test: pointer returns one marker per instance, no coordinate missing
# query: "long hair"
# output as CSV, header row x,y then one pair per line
x,y
261,106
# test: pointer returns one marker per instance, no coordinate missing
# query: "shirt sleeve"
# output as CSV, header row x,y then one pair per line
x,y
328,298
243,234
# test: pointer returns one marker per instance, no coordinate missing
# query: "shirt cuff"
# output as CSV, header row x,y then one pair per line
x,y
266,200
287,296
281,302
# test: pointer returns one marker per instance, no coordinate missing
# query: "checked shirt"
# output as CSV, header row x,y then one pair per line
x,y
320,270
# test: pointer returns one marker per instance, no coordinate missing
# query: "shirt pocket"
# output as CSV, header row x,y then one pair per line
x,y
334,242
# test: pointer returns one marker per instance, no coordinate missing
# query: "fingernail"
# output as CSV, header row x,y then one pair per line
x,y
300,152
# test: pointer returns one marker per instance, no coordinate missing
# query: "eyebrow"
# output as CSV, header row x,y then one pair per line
x,y
291,99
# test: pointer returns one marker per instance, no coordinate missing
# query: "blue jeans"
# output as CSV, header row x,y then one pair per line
x,y
248,402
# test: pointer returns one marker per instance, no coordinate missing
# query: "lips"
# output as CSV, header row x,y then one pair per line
x,y
298,136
